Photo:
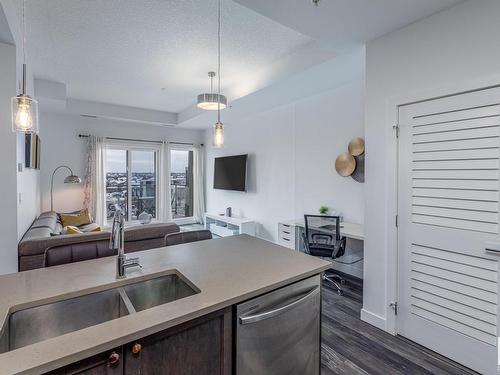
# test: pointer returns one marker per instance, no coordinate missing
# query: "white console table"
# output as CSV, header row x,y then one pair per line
x,y
224,226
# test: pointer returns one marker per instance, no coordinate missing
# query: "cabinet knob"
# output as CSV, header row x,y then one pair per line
x,y
113,359
136,348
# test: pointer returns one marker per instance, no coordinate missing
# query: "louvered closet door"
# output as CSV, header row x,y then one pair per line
x,y
449,214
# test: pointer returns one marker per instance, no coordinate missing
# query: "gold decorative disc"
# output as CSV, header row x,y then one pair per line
x,y
345,164
356,146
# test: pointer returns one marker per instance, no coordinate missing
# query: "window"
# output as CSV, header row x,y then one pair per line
x,y
181,183
131,181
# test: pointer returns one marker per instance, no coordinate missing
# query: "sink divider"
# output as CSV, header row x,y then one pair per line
x,y
126,301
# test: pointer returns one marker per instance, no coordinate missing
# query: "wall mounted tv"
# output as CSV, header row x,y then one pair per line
x,y
230,173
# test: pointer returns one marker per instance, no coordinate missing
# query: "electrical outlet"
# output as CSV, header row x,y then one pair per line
x,y
19,167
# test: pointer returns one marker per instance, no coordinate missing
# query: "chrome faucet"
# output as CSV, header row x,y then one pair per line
x,y
117,243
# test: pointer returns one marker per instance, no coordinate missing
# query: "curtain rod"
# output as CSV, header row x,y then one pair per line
x,y
139,140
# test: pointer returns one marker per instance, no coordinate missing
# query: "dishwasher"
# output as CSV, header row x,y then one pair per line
x,y
279,332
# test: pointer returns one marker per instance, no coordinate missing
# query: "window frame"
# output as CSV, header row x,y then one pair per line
x,y
178,147
128,147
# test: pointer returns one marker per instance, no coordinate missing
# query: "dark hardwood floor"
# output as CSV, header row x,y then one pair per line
x,y
351,346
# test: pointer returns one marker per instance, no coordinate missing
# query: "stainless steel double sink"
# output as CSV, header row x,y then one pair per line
x,y
35,324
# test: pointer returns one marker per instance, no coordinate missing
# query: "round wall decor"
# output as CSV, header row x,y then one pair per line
x,y
345,164
356,146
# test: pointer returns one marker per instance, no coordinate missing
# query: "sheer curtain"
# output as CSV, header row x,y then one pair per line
x,y
165,199
94,188
199,183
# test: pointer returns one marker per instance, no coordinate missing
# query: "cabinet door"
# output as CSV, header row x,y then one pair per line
x,y
108,363
199,347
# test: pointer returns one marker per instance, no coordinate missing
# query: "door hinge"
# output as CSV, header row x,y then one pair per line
x,y
396,130
397,221
394,307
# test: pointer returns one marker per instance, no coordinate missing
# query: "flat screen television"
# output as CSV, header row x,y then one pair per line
x,y
230,173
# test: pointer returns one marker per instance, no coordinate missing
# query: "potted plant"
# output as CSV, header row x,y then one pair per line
x,y
323,210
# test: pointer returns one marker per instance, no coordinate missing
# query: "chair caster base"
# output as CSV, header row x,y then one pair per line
x,y
340,292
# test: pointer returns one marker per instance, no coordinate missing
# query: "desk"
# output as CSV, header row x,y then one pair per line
x,y
290,235
350,230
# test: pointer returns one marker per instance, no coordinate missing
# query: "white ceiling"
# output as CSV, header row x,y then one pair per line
x,y
125,51
348,23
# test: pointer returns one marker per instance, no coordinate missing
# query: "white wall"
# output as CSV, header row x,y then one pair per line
x,y
292,151
61,145
28,191
8,159
450,48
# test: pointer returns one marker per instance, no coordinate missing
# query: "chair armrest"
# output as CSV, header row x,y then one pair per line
x,y
339,248
306,243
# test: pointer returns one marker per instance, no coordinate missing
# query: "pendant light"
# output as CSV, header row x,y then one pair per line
x,y
24,109
218,140
209,101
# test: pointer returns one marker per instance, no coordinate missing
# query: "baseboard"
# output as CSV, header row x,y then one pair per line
x,y
373,319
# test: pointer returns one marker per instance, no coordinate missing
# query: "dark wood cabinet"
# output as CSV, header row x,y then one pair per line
x,y
199,347
108,363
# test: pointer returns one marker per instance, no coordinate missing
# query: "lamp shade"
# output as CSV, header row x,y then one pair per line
x,y
24,112
210,101
218,139
72,179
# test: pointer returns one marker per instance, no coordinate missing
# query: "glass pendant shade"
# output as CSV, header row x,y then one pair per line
x,y
24,112
210,102
218,139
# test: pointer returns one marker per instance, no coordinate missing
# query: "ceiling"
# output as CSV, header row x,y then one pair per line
x,y
347,23
155,54
125,51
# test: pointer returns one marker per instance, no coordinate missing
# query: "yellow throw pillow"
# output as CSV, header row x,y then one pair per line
x,y
71,230
76,219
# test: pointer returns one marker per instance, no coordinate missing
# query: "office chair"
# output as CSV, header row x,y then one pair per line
x,y
322,239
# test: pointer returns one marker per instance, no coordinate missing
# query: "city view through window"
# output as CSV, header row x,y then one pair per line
x,y
135,188
181,183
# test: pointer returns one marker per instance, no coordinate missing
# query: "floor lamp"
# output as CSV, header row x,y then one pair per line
x,y
70,179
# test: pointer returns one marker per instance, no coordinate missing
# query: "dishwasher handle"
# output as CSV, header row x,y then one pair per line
x,y
272,313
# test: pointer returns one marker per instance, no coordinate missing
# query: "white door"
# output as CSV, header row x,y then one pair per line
x,y
448,217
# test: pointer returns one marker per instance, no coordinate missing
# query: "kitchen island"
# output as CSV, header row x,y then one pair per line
x,y
216,274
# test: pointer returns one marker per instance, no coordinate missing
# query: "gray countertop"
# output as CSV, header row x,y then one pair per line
x,y
227,271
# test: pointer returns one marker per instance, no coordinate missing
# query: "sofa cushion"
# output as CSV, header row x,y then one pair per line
x,y
77,252
39,245
189,236
46,220
34,233
149,231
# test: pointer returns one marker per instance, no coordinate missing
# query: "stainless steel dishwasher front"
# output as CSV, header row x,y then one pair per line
x,y
279,332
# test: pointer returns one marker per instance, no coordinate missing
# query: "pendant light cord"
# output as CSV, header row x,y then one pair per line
x,y
24,48
218,60
24,32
